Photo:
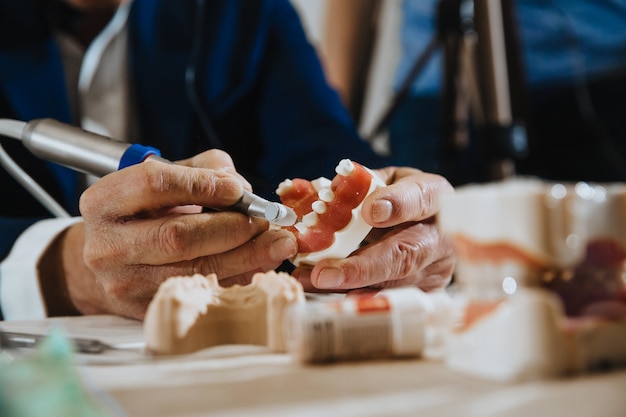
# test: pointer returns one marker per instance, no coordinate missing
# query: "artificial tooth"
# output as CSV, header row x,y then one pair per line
x,y
326,195
310,219
321,183
301,227
319,207
345,167
284,186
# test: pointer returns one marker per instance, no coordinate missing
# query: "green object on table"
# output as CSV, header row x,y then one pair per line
x,y
47,383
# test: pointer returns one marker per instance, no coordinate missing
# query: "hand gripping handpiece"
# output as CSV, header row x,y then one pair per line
x,y
98,155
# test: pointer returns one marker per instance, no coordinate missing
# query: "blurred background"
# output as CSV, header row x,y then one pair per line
x,y
482,90
365,77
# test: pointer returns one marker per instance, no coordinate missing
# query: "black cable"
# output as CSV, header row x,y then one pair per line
x,y
191,78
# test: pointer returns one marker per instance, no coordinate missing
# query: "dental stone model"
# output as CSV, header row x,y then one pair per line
x,y
192,313
540,268
330,226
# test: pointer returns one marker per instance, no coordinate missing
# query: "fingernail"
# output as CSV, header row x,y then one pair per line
x,y
330,278
283,248
381,211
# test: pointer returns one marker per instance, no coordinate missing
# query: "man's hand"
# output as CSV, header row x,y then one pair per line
x,y
145,223
404,248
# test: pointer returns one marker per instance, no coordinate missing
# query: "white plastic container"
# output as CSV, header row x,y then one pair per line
x,y
390,323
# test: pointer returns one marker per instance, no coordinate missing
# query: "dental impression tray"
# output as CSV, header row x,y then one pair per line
x,y
192,313
330,226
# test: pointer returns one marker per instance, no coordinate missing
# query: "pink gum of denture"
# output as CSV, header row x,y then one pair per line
x,y
330,224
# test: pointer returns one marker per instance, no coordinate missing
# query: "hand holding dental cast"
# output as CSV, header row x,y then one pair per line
x,y
396,205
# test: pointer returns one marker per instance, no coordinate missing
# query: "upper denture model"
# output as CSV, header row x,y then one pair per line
x,y
330,224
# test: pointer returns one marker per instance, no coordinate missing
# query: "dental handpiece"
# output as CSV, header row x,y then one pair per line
x,y
98,155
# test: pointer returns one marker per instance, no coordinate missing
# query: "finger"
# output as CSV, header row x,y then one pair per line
x,y
412,195
214,159
303,275
266,251
154,185
402,257
173,238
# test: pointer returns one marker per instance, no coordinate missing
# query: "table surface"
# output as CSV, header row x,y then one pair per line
x,y
248,380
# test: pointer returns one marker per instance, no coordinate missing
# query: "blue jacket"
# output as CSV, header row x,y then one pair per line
x,y
259,81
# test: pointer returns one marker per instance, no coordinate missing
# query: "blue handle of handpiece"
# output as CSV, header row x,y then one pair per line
x,y
137,153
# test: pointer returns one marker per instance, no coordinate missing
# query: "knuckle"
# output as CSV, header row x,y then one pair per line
x,y
171,178
115,289
201,183
424,202
356,273
155,181
89,202
210,265
408,256
413,205
93,256
190,181
172,235
411,251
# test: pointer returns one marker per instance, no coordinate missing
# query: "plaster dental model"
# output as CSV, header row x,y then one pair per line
x,y
192,313
528,336
540,269
330,226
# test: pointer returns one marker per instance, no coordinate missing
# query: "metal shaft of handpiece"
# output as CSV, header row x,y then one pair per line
x,y
99,155
73,147
257,206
